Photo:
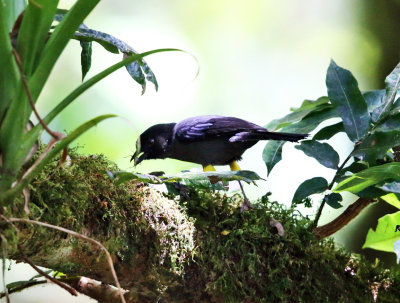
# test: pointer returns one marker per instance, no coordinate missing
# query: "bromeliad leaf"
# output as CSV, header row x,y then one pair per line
x,y
385,235
376,145
346,97
392,86
272,154
329,131
322,152
370,176
309,187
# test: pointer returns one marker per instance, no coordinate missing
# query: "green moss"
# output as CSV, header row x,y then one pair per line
x,y
242,258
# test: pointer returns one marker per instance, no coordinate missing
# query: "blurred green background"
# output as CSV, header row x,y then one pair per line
x,y
256,58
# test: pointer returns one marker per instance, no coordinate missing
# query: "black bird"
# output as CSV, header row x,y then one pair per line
x,y
206,140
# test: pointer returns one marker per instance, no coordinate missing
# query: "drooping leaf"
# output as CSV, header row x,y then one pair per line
x,y
392,82
333,200
346,97
385,235
86,57
329,131
374,100
309,187
322,152
370,176
272,154
376,145
297,114
392,199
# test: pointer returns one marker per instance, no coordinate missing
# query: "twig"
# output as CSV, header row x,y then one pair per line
x,y
350,213
319,213
78,235
28,94
41,272
4,256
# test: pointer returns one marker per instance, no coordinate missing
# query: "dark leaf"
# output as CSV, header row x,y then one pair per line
x,y
374,100
322,152
390,124
150,75
86,57
309,187
376,145
333,200
346,97
272,154
392,82
329,131
136,73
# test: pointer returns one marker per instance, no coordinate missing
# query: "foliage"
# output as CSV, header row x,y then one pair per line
x,y
39,34
371,121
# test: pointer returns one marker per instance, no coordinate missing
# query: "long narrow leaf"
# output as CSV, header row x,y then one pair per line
x,y
57,42
34,30
8,69
54,152
32,135
14,8
346,97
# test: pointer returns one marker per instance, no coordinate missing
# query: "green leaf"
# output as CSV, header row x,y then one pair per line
x,y
322,152
13,9
309,187
8,71
34,132
272,154
374,100
299,113
329,131
370,176
34,31
346,97
392,199
58,41
392,82
376,145
385,234
58,147
86,57
333,200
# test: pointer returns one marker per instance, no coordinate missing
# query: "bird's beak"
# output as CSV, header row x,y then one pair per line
x,y
136,157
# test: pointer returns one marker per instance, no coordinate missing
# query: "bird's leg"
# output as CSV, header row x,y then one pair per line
x,y
246,202
208,168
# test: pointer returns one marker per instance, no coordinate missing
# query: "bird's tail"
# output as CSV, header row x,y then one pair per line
x,y
256,136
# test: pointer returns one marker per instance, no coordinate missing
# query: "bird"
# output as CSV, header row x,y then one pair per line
x,y
209,140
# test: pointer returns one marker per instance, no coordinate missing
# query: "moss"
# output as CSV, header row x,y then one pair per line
x,y
197,247
241,258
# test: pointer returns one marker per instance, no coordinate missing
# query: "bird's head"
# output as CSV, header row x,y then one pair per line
x,y
154,143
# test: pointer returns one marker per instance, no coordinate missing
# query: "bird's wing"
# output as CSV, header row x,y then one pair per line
x,y
212,127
